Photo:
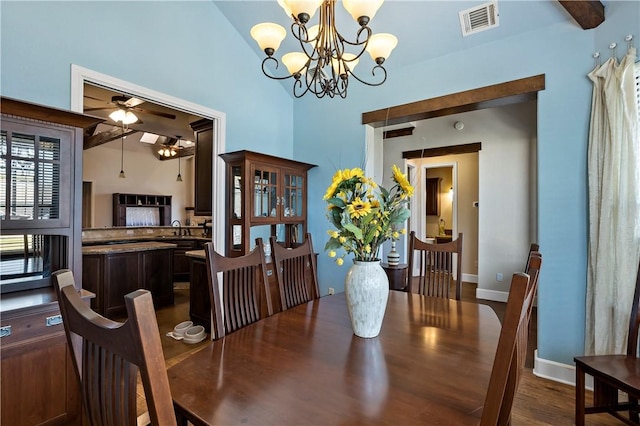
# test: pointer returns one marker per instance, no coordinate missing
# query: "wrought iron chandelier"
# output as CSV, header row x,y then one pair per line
x,y
324,66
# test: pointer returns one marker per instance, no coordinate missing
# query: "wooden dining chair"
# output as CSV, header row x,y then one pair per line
x,y
511,351
534,263
296,272
435,264
534,247
236,300
613,373
109,354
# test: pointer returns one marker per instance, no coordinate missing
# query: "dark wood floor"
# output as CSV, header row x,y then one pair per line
x,y
539,401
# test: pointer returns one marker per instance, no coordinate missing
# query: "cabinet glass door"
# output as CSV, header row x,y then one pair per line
x,y
265,199
293,195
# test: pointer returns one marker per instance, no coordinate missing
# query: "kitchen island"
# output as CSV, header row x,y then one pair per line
x,y
111,271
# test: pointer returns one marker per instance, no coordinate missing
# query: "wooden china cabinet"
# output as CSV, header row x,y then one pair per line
x,y
264,190
41,151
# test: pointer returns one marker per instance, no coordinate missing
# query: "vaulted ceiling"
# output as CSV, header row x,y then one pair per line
x,y
425,29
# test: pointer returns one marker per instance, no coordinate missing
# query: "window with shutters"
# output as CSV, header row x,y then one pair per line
x,y
31,170
35,202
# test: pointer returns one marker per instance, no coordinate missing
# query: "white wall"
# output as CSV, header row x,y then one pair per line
x,y
145,174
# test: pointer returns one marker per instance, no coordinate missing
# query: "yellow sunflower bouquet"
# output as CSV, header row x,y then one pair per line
x,y
364,214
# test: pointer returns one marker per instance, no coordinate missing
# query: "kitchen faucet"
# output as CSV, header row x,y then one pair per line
x,y
179,227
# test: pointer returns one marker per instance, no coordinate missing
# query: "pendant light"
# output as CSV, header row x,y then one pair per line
x,y
121,175
179,178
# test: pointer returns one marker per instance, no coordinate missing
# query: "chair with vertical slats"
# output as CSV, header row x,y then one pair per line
x,y
512,348
107,356
613,373
435,264
534,247
237,301
296,272
532,268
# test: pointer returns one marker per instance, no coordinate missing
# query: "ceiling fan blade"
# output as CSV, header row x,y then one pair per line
x,y
97,109
132,102
158,113
95,99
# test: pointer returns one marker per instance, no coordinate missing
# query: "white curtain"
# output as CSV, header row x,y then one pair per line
x,y
614,205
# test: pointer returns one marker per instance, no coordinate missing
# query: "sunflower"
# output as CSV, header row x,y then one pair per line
x,y
401,180
356,172
359,208
364,214
331,190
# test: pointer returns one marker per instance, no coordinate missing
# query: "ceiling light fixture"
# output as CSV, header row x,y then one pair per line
x,y
167,152
179,178
124,116
324,67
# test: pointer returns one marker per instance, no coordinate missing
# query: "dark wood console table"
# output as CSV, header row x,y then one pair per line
x,y
397,275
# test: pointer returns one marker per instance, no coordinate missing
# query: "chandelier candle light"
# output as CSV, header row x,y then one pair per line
x,y
324,65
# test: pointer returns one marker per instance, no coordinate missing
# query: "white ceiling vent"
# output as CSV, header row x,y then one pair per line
x,y
479,18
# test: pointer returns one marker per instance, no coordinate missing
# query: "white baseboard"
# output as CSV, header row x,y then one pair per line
x,y
470,278
494,295
557,371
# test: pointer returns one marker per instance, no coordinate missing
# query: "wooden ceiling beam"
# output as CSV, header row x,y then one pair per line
x,y
182,152
406,131
485,97
106,136
587,13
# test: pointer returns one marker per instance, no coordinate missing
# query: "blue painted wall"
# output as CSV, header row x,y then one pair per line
x,y
329,133
190,51
184,49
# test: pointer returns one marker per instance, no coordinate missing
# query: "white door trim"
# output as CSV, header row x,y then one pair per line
x,y
80,76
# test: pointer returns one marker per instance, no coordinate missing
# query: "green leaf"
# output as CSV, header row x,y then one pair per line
x,y
336,201
357,232
333,243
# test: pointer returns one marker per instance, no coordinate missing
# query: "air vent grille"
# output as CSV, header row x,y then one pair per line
x,y
479,18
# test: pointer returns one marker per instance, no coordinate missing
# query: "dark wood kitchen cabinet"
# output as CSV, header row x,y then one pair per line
x,y
433,196
203,133
121,202
111,272
181,265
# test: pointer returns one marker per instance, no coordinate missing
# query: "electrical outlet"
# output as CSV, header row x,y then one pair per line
x,y
331,291
475,263
499,277
149,231
129,231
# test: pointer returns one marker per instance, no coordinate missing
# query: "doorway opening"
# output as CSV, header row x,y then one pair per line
x,y
80,77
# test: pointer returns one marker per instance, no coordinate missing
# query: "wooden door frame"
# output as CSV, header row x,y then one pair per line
x,y
511,92
501,94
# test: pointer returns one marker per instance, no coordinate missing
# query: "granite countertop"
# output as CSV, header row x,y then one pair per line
x,y
126,247
144,238
196,254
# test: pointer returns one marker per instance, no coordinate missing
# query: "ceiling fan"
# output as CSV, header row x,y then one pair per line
x,y
130,104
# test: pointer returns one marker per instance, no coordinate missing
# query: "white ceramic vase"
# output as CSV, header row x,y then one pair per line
x,y
367,290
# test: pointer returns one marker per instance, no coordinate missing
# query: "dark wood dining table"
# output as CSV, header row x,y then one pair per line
x,y
430,365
